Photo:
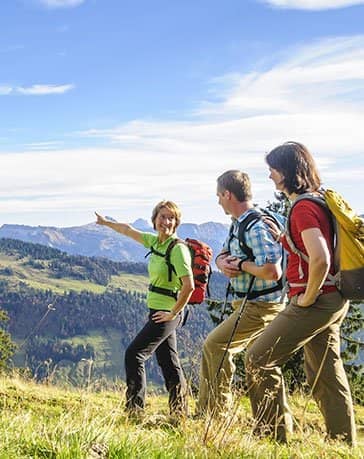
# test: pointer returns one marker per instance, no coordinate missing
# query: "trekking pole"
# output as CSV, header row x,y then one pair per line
x,y
240,313
227,292
50,307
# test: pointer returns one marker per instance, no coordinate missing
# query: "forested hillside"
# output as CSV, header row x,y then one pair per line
x,y
70,312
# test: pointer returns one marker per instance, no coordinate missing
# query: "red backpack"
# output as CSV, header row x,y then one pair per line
x,y
201,256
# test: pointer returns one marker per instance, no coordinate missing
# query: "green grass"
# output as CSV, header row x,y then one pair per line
x,y
40,421
107,350
130,282
107,362
64,285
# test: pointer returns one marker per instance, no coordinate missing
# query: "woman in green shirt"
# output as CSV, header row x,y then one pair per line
x,y
166,299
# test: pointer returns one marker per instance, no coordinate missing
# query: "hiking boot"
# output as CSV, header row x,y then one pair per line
x,y
98,451
199,415
175,420
279,435
135,414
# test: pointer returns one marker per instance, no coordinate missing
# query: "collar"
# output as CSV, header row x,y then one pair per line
x,y
167,241
244,215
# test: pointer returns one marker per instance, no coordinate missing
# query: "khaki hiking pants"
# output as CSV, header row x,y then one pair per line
x,y
317,330
215,390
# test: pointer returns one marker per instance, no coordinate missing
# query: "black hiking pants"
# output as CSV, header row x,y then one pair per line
x,y
161,339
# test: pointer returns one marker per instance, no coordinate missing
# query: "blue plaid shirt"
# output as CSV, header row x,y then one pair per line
x,y
265,250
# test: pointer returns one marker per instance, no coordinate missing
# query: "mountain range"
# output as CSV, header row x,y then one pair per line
x,y
99,241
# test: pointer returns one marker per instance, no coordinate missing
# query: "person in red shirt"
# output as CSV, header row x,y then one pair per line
x,y
312,317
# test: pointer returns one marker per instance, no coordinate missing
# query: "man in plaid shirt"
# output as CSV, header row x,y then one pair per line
x,y
263,304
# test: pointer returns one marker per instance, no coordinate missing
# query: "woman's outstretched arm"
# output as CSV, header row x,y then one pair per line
x,y
123,228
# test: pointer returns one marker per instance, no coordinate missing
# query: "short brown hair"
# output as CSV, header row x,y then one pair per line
x,y
296,164
236,182
171,206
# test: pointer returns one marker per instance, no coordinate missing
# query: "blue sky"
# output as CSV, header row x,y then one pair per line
x,y
113,105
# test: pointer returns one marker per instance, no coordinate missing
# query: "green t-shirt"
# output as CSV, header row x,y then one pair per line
x,y
158,270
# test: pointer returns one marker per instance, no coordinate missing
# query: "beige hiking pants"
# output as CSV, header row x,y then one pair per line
x,y
215,390
317,329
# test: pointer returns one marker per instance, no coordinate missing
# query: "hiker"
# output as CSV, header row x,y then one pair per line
x,y
165,301
235,197
313,316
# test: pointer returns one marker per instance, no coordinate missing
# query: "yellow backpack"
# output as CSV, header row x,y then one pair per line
x,y
348,244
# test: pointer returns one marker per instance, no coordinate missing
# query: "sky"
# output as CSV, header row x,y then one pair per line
x,y
114,105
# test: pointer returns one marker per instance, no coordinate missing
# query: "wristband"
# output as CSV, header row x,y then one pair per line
x,y
240,264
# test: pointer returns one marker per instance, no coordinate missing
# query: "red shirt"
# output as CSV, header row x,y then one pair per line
x,y
306,214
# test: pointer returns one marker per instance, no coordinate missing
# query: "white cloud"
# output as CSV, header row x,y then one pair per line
x,y
315,96
43,145
5,90
44,89
61,3
86,180
36,89
321,75
313,4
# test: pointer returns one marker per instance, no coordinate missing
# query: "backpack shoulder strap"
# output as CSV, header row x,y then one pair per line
x,y
156,252
244,226
320,200
172,244
167,256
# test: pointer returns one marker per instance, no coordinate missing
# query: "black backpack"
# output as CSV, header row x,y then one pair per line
x,y
245,226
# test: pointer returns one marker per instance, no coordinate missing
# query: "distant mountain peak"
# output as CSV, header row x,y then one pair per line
x,y
140,223
100,241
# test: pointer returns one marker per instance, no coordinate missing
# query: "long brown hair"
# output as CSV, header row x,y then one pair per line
x,y
296,164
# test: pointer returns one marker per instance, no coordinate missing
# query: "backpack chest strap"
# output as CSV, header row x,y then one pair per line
x,y
162,291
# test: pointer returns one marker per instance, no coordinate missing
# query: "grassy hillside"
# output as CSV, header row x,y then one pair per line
x,y
42,421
